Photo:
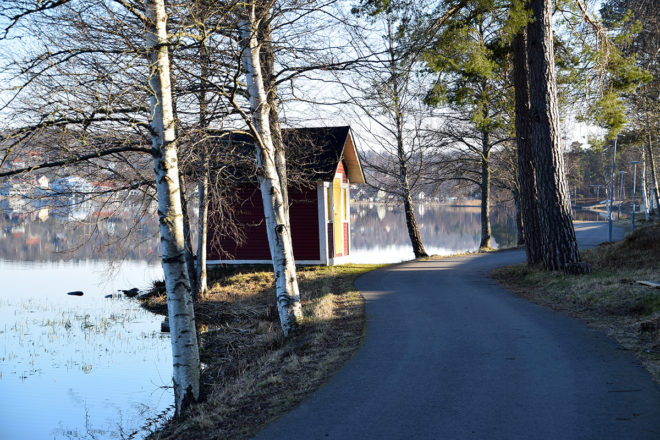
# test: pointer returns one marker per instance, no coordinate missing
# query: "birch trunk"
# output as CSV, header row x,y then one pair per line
x,y
203,184
267,57
185,351
526,174
203,213
652,206
279,234
645,198
187,237
654,179
560,247
280,155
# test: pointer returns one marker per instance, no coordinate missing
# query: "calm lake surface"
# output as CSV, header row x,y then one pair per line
x,y
379,232
78,367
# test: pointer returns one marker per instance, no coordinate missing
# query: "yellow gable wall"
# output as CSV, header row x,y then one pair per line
x,y
338,227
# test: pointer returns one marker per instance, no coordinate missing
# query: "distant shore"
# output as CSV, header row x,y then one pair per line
x,y
452,203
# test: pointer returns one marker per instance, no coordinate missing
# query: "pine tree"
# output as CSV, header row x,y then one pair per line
x,y
471,64
560,248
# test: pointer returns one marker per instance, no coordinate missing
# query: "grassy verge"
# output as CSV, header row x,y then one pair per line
x,y
608,298
251,374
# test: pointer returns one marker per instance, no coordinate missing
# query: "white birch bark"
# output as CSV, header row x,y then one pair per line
x,y
279,235
202,232
185,352
645,199
203,186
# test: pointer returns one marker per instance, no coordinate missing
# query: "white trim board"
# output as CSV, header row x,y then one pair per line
x,y
217,262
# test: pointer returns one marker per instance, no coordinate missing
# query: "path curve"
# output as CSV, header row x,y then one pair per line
x,y
448,354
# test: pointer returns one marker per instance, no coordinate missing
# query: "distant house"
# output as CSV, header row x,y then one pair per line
x,y
72,185
17,187
43,182
321,165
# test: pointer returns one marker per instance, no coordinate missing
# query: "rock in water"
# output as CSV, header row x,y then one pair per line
x,y
131,292
75,293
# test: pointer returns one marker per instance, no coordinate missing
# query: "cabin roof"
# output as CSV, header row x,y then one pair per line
x,y
313,152
324,147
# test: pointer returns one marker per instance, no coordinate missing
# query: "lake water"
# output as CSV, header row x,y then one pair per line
x,y
76,367
379,233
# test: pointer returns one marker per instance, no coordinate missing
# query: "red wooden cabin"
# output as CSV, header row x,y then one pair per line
x,y
321,164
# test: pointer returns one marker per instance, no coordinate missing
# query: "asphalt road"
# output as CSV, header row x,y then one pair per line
x,y
448,354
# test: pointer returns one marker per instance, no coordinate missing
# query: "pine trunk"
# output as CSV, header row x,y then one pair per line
x,y
404,183
408,207
526,174
185,352
279,234
413,229
519,222
485,192
560,247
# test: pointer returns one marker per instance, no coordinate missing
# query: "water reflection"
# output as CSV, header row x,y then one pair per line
x,y
78,367
588,216
51,234
379,233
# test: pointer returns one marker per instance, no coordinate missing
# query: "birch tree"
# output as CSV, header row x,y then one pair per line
x,y
643,43
203,65
272,193
250,28
122,53
185,351
387,94
273,51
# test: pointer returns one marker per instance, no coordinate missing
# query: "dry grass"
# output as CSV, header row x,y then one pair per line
x,y
608,298
251,374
